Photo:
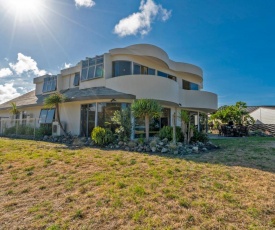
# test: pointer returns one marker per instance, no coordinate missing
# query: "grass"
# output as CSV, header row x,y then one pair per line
x,y
50,186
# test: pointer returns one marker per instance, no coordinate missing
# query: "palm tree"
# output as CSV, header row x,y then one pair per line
x,y
146,108
14,110
54,100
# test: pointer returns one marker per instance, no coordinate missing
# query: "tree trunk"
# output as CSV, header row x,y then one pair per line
x,y
183,129
58,118
174,128
147,127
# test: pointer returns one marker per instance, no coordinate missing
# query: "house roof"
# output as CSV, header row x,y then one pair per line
x,y
251,109
74,94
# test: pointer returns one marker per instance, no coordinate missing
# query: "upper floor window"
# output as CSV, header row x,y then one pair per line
x,y
49,84
189,85
76,79
92,68
162,74
46,116
140,69
121,68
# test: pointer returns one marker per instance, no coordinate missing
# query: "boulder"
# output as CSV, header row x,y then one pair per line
x,y
164,150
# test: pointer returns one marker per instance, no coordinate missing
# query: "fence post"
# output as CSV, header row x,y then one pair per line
x,y
34,127
16,127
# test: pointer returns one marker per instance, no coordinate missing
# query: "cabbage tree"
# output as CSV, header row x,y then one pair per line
x,y
53,101
146,108
14,110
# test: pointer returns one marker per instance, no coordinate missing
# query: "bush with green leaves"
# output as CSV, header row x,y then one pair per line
x,y
199,136
167,132
123,119
10,131
102,136
43,130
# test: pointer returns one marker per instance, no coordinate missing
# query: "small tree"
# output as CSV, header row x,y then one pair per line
x,y
185,124
14,110
123,119
146,108
236,113
54,100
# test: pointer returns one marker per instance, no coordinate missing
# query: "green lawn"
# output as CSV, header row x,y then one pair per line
x,y
50,186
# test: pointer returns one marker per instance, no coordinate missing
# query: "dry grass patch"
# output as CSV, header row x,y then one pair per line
x,y
49,186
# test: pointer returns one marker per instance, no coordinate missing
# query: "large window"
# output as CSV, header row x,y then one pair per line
x,y
155,124
189,85
105,112
92,68
49,84
87,119
121,68
46,116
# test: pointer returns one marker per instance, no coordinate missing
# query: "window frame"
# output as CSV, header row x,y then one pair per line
x,y
49,84
46,111
90,66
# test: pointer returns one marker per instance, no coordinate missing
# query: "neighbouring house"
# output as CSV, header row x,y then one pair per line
x,y
264,117
96,87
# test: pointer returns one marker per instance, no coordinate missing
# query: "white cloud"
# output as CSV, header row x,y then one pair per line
x,y
7,92
67,65
5,72
140,22
26,64
84,3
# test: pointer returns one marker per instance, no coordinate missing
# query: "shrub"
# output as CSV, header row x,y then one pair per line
x,y
199,136
102,136
43,130
10,131
167,132
123,119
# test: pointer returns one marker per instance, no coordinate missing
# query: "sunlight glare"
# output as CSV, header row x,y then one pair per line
x,y
24,8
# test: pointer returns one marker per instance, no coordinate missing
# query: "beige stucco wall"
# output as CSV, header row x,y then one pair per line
x,y
70,115
145,86
97,82
198,99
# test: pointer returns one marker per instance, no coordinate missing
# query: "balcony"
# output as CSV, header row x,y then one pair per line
x,y
198,100
146,86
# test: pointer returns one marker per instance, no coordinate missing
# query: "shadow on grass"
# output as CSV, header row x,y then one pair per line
x,y
250,152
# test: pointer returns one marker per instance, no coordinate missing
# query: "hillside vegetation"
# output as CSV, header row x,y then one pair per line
x,y
53,186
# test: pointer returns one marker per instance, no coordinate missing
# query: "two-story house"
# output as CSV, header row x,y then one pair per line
x,y
96,87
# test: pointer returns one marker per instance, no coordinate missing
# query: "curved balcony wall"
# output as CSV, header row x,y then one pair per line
x,y
147,50
146,86
199,100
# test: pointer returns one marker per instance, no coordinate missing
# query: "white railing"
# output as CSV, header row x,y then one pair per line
x,y
28,127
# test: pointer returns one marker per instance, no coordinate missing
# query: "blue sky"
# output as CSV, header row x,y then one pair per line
x,y
232,41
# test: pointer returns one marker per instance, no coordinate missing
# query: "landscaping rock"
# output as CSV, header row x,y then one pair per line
x,y
195,149
164,150
153,149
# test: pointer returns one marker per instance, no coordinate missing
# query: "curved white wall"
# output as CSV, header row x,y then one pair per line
x,y
198,99
156,52
146,86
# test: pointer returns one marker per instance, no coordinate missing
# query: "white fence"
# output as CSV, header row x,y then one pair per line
x,y
27,128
